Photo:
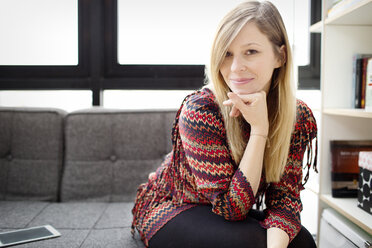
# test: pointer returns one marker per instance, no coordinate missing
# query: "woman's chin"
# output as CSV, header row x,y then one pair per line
x,y
243,91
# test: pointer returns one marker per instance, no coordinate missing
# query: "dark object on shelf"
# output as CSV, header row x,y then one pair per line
x,y
345,169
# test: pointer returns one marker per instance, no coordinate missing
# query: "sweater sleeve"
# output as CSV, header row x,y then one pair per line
x,y
203,139
282,199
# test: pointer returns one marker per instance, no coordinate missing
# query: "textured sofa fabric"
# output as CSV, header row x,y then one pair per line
x,y
109,153
81,224
31,142
78,172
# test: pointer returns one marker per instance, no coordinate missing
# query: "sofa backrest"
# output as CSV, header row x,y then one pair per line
x,y
31,153
108,153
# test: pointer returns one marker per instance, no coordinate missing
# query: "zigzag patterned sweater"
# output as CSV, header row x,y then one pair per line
x,y
200,170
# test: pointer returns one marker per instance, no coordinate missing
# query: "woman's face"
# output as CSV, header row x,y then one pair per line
x,y
250,61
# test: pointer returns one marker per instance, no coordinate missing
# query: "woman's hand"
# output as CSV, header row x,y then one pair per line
x,y
253,108
152,176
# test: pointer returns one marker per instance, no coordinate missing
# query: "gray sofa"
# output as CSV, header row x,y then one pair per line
x,y
78,171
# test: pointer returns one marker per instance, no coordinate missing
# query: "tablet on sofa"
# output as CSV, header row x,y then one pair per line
x,y
27,235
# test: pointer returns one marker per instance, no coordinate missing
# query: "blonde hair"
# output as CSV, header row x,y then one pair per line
x,y
280,99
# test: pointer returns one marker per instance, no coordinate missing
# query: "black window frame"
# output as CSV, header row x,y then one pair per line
x,y
98,68
309,76
34,76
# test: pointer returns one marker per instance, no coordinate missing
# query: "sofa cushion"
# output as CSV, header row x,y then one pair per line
x,y
81,224
108,153
31,153
116,215
18,214
71,238
77,238
70,215
112,238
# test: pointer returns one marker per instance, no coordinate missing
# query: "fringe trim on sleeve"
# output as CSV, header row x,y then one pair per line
x,y
311,159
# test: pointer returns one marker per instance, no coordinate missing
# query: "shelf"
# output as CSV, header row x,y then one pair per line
x,y
316,27
361,113
349,209
357,14
346,30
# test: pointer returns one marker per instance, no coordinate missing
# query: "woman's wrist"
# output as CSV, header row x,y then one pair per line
x,y
262,130
259,135
259,131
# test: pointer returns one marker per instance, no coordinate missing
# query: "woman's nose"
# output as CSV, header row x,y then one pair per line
x,y
238,64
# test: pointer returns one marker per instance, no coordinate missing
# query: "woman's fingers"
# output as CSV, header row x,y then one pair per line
x,y
227,102
249,98
241,101
152,175
245,104
234,110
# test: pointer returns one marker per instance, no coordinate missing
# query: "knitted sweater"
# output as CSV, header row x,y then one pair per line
x,y
200,170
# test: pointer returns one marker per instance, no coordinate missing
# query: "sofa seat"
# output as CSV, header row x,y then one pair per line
x,y
78,171
81,224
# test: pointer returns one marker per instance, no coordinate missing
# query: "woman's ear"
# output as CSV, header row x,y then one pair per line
x,y
282,56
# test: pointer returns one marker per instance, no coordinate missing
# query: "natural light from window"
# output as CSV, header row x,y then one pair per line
x,y
39,32
181,32
149,32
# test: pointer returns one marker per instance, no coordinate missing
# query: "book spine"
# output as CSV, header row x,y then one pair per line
x,y
369,86
363,83
354,88
358,79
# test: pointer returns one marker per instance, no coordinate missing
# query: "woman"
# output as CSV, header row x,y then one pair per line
x,y
236,142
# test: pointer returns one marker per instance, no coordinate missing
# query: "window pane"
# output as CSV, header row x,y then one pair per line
x,y
39,32
168,31
67,100
301,32
181,32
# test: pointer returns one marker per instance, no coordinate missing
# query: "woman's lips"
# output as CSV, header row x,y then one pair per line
x,y
241,80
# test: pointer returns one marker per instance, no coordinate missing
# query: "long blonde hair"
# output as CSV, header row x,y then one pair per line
x,y
280,99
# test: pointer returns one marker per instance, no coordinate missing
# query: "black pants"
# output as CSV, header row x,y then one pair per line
x,y
200,227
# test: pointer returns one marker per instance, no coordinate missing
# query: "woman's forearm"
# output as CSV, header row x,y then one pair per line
x,y
254,110
277,238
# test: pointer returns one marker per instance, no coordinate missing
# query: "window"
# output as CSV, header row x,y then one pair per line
x,y
112,45
39,32
168,32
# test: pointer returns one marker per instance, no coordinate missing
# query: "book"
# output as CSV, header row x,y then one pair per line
x,y
357,78
345,169
363,83
368,100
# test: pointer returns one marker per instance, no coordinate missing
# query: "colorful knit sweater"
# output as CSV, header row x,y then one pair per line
x,y
200,170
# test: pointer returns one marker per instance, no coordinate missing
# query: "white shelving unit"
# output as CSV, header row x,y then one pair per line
x,y
343,35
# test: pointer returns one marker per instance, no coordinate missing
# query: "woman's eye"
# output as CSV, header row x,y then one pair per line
x,y
251,51
228,54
